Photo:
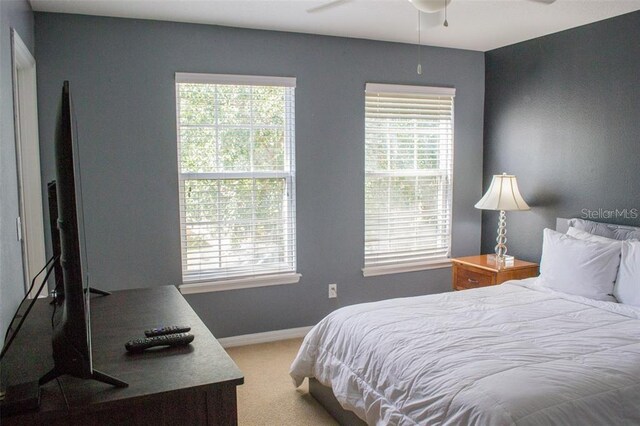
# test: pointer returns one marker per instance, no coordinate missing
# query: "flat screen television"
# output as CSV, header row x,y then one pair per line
x,y
71,339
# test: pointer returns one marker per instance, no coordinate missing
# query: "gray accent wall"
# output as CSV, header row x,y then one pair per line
x,y
15,14
562,113
121,73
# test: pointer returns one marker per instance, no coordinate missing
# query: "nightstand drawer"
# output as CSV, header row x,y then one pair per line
x,y
468,278
481,271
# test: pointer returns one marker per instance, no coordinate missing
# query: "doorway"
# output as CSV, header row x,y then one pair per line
x,y
31,220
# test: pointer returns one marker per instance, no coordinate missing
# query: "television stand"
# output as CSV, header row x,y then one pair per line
x,y
96,375
98,291
59,293
195,383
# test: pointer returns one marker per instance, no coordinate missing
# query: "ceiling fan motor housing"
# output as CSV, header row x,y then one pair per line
x,y
430,6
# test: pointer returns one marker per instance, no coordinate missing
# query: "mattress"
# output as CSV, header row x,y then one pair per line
x,y
502,355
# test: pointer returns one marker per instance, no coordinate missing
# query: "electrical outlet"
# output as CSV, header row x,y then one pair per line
x,y
333,291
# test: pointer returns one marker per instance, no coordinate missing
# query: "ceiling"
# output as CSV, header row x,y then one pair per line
x,y
473,24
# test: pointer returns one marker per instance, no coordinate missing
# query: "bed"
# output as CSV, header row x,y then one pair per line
x,y
519,353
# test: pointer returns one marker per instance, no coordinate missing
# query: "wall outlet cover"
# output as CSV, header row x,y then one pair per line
x,y
333,291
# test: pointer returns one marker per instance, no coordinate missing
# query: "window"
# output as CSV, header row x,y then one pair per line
x,y
408,177
236,180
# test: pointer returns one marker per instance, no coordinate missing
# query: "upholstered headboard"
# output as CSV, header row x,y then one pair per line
x,y
562,224
609,230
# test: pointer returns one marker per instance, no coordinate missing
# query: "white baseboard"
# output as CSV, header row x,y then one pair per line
x,y
269,336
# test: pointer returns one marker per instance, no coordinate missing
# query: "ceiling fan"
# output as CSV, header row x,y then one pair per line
x,y
427,6
431,9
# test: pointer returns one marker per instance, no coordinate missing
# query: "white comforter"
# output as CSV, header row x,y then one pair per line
x,y
509,354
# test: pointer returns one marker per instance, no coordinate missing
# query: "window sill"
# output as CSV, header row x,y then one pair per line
x,y
373,271
239,283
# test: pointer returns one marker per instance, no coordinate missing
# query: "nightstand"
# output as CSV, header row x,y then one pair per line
x,y
481,271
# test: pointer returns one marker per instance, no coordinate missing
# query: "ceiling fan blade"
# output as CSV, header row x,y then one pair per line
x,y
544,1
328,5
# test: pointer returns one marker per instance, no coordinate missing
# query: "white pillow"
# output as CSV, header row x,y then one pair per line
x,y
609,230
584,235
627,289
580,267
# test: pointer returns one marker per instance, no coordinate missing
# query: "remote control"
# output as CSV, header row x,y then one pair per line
x,y
139,345
161,331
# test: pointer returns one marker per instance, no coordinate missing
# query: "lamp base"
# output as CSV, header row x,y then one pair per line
x,y
506,260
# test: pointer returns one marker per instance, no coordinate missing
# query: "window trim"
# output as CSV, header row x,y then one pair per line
x,y
233,79
401,267
207,284
410,90
374,271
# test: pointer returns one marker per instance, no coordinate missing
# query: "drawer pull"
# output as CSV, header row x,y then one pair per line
x,y
472,281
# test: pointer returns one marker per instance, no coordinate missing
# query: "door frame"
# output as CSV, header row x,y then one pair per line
x,y
25,118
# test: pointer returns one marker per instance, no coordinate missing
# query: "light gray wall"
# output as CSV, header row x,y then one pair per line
x,y
563,114
13,14
122,79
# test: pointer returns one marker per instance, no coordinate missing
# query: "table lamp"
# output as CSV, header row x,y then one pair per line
x,y
502,195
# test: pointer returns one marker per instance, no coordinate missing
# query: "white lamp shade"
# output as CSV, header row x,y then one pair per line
x,y
429,6
503,194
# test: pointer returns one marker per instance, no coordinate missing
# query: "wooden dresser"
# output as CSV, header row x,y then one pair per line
x,y
192,385
480,271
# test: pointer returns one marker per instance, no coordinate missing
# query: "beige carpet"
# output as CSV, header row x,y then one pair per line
x,y
267,396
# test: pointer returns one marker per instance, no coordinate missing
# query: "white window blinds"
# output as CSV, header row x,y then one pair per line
x,y
236,176
408,177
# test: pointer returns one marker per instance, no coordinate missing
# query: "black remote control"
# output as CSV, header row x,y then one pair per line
x,y
161,331
139,345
